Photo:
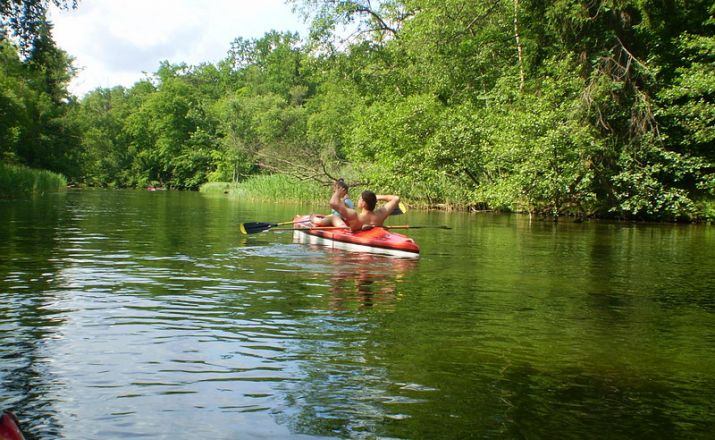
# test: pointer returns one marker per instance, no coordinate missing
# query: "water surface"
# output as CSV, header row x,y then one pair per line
x,y
130,314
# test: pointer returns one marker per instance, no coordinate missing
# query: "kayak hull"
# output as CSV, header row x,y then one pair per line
x,y
9,427
376,240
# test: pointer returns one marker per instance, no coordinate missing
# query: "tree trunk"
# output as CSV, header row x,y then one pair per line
x,y
518,45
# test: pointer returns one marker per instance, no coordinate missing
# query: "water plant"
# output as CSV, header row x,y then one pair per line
x,y
274,187
19,180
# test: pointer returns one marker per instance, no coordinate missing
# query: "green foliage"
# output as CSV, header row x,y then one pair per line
x,y
458,50
35,126
105,156
377,20
21,181
171,132
271,187
25,19
13,111
588,108
390,136
687,109
331,113
653,183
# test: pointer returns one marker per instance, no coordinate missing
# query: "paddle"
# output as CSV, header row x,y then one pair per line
x,y
418,227
399,209
366,227
256,227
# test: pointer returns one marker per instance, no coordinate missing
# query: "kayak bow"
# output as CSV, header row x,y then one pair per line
x,y
9,427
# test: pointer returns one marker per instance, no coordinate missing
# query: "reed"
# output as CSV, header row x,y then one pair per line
x,y
218,188
19,180
271,187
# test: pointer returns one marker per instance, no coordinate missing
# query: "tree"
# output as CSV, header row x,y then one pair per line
x,y
105,146
576,107
37,131
14,115
264,120
365,19
25,19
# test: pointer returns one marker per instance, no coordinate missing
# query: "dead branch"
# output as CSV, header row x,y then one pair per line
x,y
301,171
382,25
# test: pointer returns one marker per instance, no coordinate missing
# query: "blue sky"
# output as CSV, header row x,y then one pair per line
x,y
115,41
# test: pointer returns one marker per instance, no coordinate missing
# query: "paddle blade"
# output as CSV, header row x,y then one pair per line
x,y
255,227
399,209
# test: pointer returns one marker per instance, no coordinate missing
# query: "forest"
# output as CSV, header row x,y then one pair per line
x,y
585,108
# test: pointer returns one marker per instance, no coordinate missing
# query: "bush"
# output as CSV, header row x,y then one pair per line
x,y
18,180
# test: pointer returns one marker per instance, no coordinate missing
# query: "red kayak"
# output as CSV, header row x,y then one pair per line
x,y
377,240
9,427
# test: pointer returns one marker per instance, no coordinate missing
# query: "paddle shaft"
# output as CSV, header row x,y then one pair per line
x,y
366,227
256,227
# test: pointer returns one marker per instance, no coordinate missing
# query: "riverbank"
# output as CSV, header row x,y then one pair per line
x,y
274,187
21,181
281,188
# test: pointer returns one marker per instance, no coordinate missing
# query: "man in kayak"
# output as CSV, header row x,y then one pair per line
x,y
368,215
334,219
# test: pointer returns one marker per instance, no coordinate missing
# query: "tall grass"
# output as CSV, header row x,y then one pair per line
x,y
18,180
218,188
271,187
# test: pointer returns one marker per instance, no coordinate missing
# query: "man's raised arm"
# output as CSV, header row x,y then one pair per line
x,y
337,203
391,202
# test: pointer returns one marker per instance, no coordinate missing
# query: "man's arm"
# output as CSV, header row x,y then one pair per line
x,y
391,202
336,203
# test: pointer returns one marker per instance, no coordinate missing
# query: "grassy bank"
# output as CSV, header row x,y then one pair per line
x,y
274,188
17,181
281,188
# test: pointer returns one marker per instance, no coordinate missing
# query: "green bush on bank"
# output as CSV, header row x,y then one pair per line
x,y
273,187
707,208
18,180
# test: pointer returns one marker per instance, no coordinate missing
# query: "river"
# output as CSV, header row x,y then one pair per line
x,y
135,314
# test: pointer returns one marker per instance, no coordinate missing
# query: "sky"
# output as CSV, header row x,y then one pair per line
x,y
115,42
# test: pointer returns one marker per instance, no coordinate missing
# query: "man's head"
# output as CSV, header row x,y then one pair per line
x,y
341,184
369,199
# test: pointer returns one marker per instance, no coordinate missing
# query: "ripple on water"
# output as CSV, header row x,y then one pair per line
x,y
130,318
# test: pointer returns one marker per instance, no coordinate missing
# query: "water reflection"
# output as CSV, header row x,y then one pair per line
x,y
138,314
28,320
346,388
361,280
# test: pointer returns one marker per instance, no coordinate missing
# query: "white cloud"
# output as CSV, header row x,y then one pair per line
x,y
114,42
